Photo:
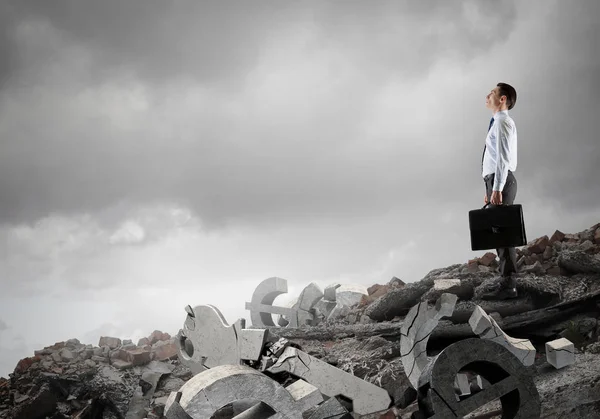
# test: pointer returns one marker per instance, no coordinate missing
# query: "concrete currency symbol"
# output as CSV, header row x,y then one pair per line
x,y
261,307
206,393
510,382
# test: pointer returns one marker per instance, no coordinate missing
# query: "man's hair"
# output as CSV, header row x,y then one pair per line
x,y
510,93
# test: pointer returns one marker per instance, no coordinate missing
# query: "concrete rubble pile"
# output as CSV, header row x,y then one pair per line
x,y
350,351
73,380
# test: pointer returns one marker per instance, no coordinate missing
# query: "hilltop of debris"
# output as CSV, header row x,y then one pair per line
x,y
559,296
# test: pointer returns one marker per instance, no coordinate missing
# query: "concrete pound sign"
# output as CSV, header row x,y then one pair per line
x,y
206,393
509,382
261,307
416,329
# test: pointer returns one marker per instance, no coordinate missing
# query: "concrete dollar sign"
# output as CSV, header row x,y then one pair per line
x,y
510,382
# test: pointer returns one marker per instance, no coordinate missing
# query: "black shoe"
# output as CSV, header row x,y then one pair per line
x,y
502,293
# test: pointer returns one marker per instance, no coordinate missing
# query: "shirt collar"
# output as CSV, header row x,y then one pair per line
x,y
499,113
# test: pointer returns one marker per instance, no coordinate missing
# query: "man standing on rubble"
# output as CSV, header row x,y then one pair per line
x,y
499,161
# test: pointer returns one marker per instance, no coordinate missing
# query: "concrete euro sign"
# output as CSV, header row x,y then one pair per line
x,y
261,307
509,382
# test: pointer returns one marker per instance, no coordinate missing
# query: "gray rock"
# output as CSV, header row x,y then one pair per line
x,y
66,355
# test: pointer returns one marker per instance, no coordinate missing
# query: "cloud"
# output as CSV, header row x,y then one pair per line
x,y
3,325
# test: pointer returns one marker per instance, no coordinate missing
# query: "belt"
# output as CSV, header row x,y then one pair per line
x,y
491,175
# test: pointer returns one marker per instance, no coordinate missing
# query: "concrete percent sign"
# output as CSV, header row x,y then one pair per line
x,y
510,382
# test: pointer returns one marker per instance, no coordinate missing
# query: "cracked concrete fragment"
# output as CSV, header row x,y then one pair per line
x,y
414,334
329,293
560,353
366,397
486,328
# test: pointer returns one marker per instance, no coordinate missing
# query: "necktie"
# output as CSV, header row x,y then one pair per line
x,y
491,123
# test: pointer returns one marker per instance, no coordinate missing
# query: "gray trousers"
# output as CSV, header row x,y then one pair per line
x,y
508,255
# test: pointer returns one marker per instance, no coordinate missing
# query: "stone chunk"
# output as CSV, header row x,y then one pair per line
x,y
111,342
309,296
558,236
547,253
487,259
350,295
461,384
445,284
539,245
305,394
121,365
138,356
165,349
66,355
586,246
486,328
597,236
396,282
560,353
251,343
329,293
157,336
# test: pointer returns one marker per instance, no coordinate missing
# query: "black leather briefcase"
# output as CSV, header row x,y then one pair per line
x,y
494,227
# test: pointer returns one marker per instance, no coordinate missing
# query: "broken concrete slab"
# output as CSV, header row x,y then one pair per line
x,y
206,393
329,293
560,353
486,328
331,381
305,394
251,343
415,331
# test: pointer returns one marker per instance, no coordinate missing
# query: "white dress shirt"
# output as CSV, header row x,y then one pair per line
x,y
501,149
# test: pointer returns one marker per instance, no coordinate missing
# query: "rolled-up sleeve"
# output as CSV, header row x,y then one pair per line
x,y
503,131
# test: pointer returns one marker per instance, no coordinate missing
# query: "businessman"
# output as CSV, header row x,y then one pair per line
x,y
499,162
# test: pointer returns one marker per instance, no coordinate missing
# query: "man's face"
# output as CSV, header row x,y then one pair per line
x,y
492,100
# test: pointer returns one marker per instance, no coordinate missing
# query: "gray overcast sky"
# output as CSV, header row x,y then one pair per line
x,y
157,154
